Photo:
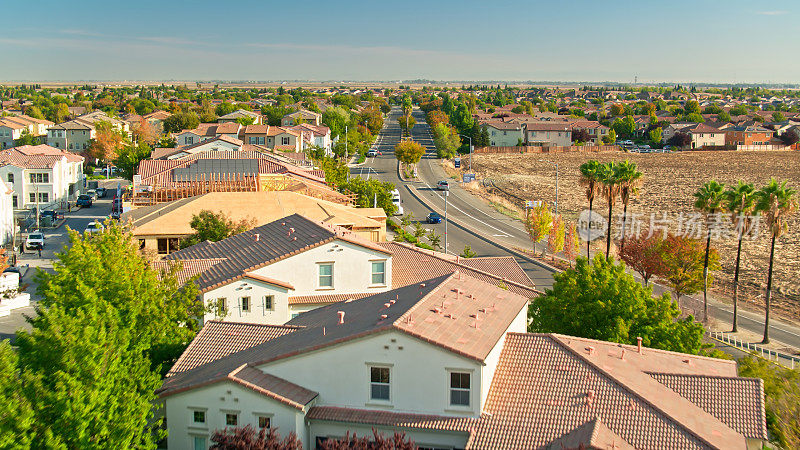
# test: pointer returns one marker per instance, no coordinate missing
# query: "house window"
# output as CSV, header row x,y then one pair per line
x,y
222,306
269,302
326,275
459,388
189,140
11,178
285,141
231,419
379,383
378,272
14,201
264,422
199,417
44,197
163,246
245,304
70,145
32,197
199,442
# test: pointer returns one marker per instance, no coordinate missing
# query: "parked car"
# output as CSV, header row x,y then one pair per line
x,y
101,192
92,193
84,200
443,185
433,218
12,269
53,215
372,154
94,227
34,240
457,162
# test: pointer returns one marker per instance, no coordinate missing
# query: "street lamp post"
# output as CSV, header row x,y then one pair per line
x,y
554,164
470,151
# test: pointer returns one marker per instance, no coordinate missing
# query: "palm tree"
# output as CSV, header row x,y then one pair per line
x,y
741,201
776,202
611,185
590,179
630,179
709,200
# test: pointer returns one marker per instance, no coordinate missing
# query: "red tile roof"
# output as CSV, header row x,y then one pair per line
x,y
391,419
325,299
36,156
275,387
219,339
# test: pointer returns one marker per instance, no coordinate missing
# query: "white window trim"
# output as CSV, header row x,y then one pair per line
x,y
198,435
198,425
333,276
460,408
371,284
224,417
264,303
257,415
378,402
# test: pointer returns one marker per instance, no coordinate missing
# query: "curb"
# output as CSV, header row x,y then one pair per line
x,y
460,225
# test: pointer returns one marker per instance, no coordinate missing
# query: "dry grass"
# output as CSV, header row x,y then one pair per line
x,y
669,182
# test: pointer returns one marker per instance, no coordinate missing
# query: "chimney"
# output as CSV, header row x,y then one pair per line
x,y
639,345
323,331
622,355
589,397
341,317
386,305
384,316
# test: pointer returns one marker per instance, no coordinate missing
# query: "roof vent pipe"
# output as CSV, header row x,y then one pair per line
x,y
257,237
341,317
639,345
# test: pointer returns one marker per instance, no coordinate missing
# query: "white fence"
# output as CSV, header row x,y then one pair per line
x,y
783,359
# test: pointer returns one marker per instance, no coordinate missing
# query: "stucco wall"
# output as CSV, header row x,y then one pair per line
x,y
256,290
420,437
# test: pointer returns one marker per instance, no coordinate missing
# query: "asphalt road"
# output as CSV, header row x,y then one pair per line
x,y
487,232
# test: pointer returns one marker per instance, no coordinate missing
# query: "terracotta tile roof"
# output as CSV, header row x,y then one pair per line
x,y
591,435
219,339
560,383
547,126
256,129
36,156
278,388
391,419
188,268
325,299
499,125
413,310
724,398
411,265
268,280
228,128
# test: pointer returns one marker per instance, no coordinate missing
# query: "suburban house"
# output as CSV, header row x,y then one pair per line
x,y
748,135
448,362
222,143
76,134
206,131
278,138
593,128
702,135
235,116
12,128
301,264
314,135
41,175
503,134
301,116
160,227
548,134
244,170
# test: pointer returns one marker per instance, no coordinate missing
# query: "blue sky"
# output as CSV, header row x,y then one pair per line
x,y
580,40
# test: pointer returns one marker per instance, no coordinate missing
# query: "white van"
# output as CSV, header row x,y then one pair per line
x,y
397,203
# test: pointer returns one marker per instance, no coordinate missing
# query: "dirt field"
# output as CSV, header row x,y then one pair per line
x,y
668,184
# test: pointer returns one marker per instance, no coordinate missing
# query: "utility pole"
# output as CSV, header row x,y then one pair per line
x,y
470,151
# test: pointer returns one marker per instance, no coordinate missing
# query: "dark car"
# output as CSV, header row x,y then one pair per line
x,y
51,214
101,192
84,200
433,218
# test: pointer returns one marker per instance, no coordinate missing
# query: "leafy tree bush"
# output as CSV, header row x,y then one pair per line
x,y
247,438
409,152
446,140
211,226
683,259
538,222
599,300
782,390
642,253
397,441
129,157
181,121
368,192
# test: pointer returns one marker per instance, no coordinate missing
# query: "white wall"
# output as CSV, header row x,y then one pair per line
x,y
6,215
217,400
442,439
503,138
518,325
256,290
352,269
419,376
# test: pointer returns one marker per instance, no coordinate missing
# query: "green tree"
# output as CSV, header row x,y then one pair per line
x,y
555,240
738,110
709,200
610,138
419,230
371,192
778,116
16,416
694,117
181,121
336,118
213,227
692,107
224,108
591,172
446,140
776,202
434,239
26,138
409,152
600,300
782,405
407,123
129,157
740,202
468,252
655,136
624,127
723,116
538,223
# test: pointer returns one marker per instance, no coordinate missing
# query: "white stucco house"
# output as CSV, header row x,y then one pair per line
x,y
548,134
76,135
276,271
448,362
503,134
6,212
13,127
41,175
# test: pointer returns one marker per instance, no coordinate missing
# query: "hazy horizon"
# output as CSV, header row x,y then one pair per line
x,y
704,41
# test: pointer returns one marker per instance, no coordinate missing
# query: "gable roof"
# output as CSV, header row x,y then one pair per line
x,y
36,156
415,310
247,251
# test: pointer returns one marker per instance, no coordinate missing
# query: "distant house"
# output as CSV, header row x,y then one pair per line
x,y
702,135
257,119
12,128
314,135
748,135
206,131
41,175
277,138
593,128
503,134
548,134
301,116
76,135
